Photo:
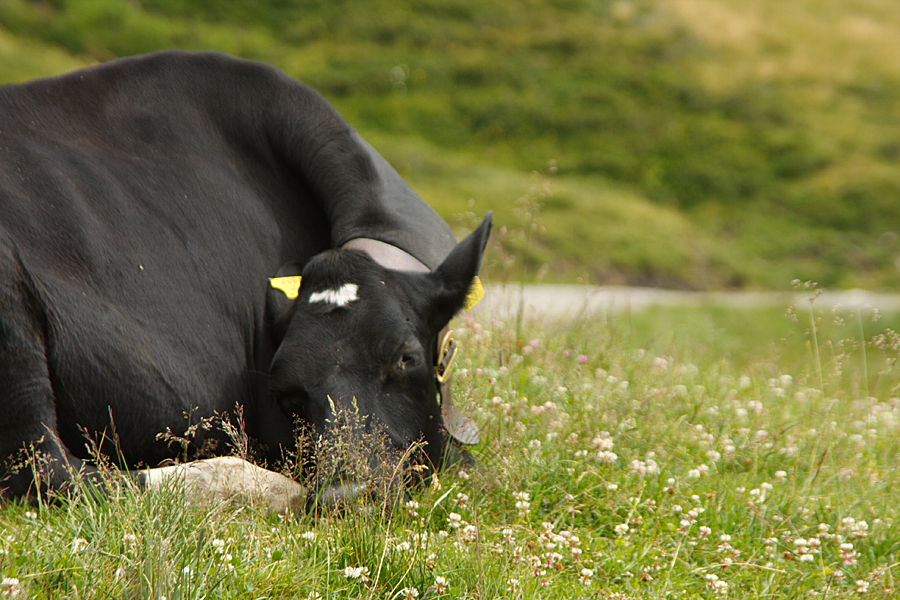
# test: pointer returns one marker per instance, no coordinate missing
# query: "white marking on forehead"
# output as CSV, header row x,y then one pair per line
x,y
342,296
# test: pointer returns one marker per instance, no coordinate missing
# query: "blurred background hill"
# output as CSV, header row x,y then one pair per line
x,y
700,144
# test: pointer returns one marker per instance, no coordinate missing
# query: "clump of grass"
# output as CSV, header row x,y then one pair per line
x,y
615,463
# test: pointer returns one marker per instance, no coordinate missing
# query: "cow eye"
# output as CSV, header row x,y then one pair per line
x,y
409,357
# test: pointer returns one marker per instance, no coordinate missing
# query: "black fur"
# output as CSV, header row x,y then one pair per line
x,y
144,204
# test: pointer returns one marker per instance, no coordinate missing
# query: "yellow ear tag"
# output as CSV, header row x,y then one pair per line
x,y
289,285
476,293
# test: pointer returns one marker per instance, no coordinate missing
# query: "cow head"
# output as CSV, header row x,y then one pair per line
x,y
360,340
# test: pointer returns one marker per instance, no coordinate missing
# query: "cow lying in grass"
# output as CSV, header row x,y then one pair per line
x,y
145,205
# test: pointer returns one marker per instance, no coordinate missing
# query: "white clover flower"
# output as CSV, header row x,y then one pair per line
x,y
408,593
440,584
724,538
404,546
11,587
607,457
218,545
602,441
780,476
356,573
807,558
612,487
309,536
621,528
862,586
454,520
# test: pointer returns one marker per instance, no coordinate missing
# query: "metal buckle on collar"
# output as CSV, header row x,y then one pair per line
x,y
445,358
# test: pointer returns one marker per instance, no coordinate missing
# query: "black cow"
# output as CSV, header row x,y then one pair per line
x,y
144,205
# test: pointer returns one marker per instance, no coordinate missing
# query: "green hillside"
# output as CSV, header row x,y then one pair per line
x,y
694,143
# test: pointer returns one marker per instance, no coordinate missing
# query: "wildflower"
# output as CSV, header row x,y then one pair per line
x,y
469,533
129,540
404,546
716,585
582,358
621,528
862,586
11,587
522,502
641,468
412,508
79,544
586,575
409,593
612,487
314,596
454,520
440,584
780,476
218,545
309,536
606,457
848,554
30,515
357,573
602,441
512,583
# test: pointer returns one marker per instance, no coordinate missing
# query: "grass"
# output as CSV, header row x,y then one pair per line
x,y
668,454
758,138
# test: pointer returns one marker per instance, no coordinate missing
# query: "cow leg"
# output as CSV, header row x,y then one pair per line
x,y
28,428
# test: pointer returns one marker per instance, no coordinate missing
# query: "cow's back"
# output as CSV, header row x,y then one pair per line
x,y
148,230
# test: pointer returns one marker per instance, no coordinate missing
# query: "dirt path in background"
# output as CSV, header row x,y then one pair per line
x,y
570,301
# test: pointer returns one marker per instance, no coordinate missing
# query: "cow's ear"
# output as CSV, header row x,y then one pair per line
x,y
453,278
280,295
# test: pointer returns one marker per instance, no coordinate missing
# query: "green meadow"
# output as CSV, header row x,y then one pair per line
x,y
694,143
669,453
665,454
